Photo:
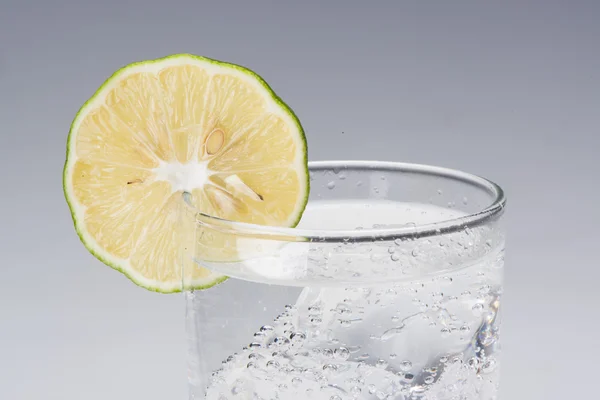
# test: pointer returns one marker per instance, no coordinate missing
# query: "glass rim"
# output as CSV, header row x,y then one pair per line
x,y
489,213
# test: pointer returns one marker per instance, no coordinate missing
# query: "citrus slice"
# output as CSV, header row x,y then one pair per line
x,y
180,124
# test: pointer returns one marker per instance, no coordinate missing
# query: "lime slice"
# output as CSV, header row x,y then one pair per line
x,y
184,123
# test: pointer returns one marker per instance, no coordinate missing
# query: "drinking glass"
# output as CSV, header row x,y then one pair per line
x,y
389,288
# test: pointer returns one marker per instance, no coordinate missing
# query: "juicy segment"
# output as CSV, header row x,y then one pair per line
x,y
181,124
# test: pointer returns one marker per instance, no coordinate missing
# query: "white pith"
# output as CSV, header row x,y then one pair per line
x,y
183,177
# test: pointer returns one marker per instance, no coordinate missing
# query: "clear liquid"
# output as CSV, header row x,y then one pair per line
x,y
432,337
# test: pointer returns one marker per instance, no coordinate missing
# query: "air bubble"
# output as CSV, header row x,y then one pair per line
x,y
395,256
266,328
272,365
381,364
342,353
327,353
297,337
329,367
445,332
432,370
331,185
406,366
342,176
473,362
429,380
372,389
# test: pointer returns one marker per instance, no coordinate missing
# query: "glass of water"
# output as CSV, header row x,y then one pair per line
x,y
389,288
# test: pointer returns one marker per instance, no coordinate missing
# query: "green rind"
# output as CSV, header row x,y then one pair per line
x,y
116,74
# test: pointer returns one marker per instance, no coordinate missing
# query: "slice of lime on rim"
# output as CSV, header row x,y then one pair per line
x,y
184,123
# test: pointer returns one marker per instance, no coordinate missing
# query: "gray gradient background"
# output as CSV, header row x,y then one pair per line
x,y
509,90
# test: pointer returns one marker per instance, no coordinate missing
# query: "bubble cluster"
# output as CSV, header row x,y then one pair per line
x,y
429,339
